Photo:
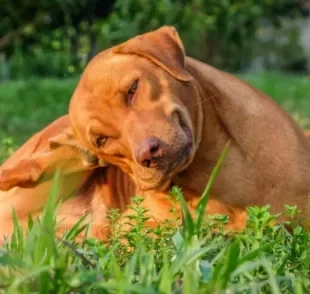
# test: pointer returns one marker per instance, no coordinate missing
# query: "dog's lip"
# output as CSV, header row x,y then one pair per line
x,y
158,186
188,133
181,157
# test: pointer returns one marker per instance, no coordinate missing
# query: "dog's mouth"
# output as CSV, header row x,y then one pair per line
x,y
181,158
158,178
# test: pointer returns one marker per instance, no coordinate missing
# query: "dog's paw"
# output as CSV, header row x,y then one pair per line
x,y
24,174
5,183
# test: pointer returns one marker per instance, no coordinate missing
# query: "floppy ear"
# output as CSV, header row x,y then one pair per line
x,y
163,47
67,138
63,153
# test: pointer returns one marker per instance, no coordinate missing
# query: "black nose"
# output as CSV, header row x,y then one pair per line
x,y
149,152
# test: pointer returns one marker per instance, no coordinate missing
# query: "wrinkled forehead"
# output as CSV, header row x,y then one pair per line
x,y
111,72
117,71
104,77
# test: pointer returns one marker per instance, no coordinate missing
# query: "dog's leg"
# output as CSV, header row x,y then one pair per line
x,y
27,174
159,208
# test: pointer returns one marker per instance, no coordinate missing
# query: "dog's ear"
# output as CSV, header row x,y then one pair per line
x,y
67,138
163,47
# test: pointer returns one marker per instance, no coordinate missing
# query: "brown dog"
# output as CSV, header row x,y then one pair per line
x,y
160,118
165,118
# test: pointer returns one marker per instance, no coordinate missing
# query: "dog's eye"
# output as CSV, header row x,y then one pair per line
x,y
100,141
131,92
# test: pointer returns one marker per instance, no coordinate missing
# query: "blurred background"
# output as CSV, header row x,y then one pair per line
x,y
45,45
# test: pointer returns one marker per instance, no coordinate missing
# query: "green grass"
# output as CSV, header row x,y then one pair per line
x,y
193,258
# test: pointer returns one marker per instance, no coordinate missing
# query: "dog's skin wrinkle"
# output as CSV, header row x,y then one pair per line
x,y
267,162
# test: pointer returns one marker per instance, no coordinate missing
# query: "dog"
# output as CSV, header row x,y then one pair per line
x,y
164,118
144,117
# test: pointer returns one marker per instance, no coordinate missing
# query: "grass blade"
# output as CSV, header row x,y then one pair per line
x,y
188,221
202,204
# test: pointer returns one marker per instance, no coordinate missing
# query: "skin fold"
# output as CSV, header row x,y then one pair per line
x,y
144,116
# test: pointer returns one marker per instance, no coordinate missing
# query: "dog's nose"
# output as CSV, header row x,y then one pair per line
x,y
149,152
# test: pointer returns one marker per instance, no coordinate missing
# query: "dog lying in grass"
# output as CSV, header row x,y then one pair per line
x,y
145,117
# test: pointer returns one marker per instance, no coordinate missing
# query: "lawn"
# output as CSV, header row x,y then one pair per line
x,y
266,258
28,106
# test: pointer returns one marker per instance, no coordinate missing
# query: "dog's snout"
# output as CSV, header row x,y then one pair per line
x,y
149,152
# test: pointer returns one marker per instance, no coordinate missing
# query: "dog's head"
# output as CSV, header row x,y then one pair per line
x,y
132,107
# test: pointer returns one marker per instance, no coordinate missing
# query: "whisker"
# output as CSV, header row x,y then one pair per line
x,y
205,100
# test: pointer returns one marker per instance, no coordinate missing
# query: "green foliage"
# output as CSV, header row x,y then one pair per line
x,y
28,106
266,258
224,33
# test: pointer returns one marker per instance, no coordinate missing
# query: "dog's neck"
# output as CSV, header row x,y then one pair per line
x,y
266,144
212,139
